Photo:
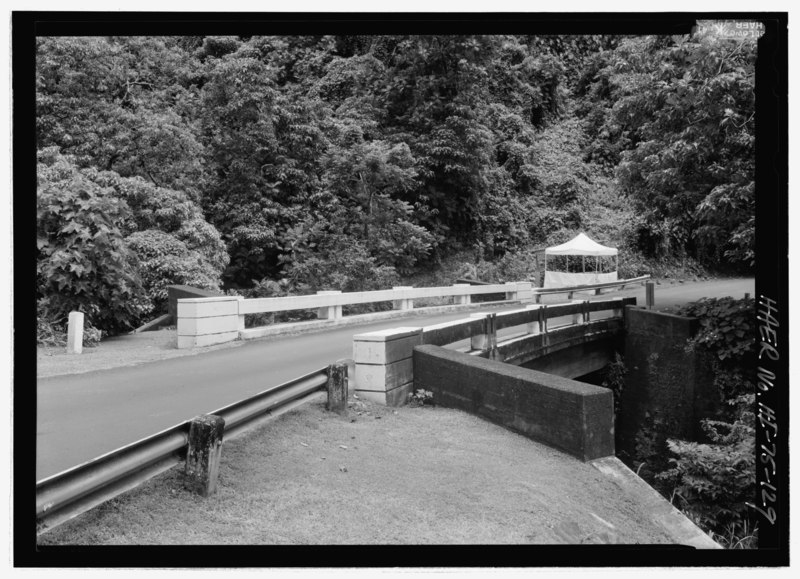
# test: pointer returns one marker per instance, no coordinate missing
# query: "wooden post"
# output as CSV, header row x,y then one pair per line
x,y
75,333
337,388
203,454
650,294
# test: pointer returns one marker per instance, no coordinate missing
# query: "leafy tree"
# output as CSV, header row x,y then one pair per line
x,y
161,235
682,125
123,104
83,262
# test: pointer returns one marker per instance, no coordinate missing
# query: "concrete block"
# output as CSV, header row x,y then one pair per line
x,y
395,397
202,326
524,290
208,307
378,377
206,340
386,346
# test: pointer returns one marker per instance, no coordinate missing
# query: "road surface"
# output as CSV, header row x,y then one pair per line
x,y
82,416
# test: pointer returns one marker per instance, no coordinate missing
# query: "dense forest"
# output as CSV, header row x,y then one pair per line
x,y
275,165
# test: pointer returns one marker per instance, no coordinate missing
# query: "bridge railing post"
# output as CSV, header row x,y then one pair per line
x,y
404,303
462,300
543,319
582,316
534,327
487,339
329,312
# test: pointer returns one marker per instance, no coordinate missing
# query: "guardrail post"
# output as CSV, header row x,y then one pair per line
x,y
204,453
337,388
464,300
650,296
329,312
75,333
405,303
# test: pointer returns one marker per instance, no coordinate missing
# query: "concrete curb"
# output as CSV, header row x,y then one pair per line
x,y
659,510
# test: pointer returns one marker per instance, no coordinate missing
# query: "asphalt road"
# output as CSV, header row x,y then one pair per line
x,y
82,416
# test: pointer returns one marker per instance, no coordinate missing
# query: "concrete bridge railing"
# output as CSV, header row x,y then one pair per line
x,y
214,320
384,370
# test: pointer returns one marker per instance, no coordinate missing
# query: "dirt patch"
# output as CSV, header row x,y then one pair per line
x,y
379,476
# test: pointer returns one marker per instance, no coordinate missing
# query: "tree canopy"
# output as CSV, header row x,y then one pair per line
x,y
343,162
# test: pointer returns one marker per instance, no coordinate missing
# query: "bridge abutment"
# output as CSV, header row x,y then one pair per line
x,y
668,387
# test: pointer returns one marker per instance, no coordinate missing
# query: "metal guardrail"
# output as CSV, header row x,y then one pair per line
x,y
539,291
67,494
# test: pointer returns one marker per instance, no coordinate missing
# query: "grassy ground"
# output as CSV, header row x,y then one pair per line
x,y
412,475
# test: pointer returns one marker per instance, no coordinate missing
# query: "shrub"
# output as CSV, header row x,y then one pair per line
x,y
83,262
615,379
165,260
727,328
715,480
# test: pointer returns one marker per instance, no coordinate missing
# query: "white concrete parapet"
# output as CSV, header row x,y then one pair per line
x,y
384,370
207,321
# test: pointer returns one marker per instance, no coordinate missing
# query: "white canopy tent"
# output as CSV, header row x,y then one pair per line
x,y
582,246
